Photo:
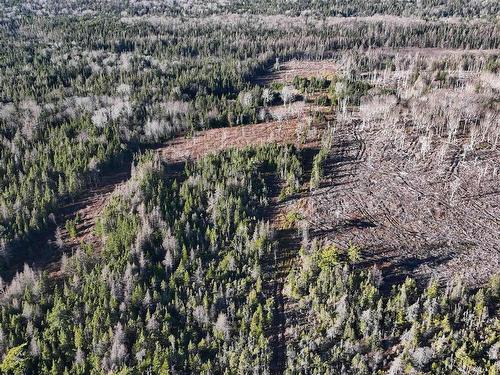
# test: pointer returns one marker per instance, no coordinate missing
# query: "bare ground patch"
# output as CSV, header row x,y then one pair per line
x,y
288,70
214,140
413,217
301,68
432,213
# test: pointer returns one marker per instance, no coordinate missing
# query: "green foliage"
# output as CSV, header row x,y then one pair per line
x,y
353,253
328,257
71,228
432,331
178,283
493,64
310,85
14,362
291,220
323,100
177,287
350,90
320,158
73,104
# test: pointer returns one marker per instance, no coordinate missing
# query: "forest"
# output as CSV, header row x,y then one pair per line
x,y
234,187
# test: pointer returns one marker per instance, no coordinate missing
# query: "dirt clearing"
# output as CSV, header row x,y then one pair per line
x,y
213,140
428,217
299,68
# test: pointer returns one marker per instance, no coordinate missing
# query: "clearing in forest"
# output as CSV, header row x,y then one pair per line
x,y
287,71
416,190
75,223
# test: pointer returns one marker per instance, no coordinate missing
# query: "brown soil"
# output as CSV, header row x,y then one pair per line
x,y
301,68
397,204
85,210
375,194
399,208
214,140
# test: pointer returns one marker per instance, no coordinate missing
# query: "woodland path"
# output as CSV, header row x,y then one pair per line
x,y
287,243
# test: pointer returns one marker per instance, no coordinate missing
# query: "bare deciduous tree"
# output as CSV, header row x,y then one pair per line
x,y
287,94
